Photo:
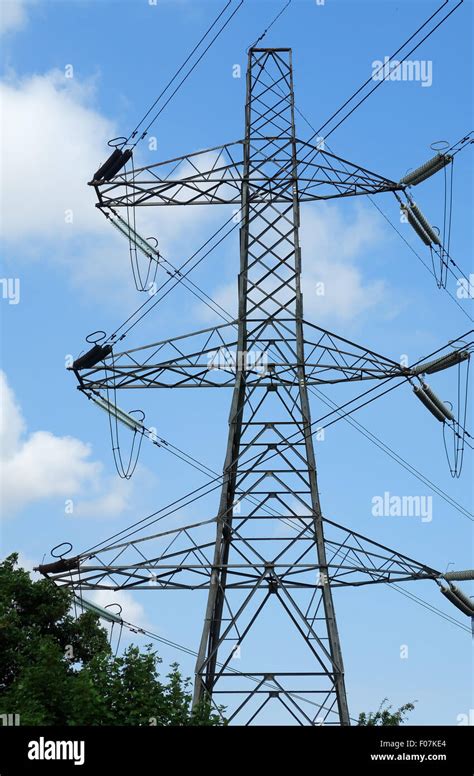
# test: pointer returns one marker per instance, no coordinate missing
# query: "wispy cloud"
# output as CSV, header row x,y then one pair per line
x,y
13,15
115,499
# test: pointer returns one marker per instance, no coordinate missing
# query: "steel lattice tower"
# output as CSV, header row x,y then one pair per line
x,y
269,558
270,319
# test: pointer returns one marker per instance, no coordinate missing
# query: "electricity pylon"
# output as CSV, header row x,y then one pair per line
x,y
269,550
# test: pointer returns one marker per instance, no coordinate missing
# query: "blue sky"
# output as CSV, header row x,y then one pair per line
x,y
74,278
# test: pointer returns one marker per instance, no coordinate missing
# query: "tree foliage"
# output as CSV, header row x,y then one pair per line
x,y
56,669
385,716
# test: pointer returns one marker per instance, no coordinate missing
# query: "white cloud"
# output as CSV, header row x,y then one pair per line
x,y
332,243
40,466
12,423
13,15
44,466
55,141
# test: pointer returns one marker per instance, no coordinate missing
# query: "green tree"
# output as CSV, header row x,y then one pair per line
x,y
385,716
56,669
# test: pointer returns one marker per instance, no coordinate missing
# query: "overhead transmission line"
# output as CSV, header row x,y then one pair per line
x,y
135,269
134,133
459,146
267,29
226,316
316,132
148,633
190,497
422,602
384,66
365,432
429,607
344,118
193,653
128,531
359,427
420,258
228,319
178,72
206,489
180,278
132,628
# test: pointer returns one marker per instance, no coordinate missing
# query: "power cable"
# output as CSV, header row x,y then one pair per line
x,y
280,13
205,489
383,66
460,145
158,113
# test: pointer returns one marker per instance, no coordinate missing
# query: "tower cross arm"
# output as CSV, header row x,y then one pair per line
x,y
215,176
209,176
323,175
